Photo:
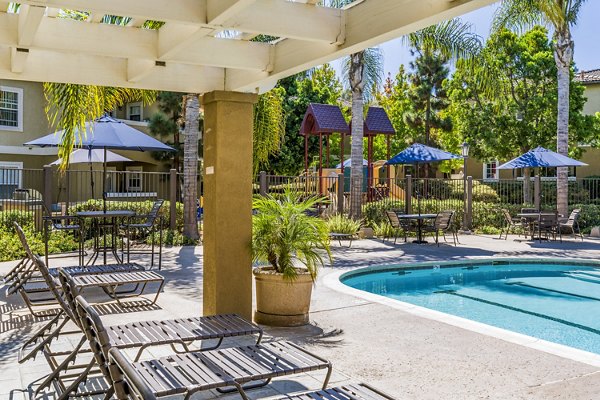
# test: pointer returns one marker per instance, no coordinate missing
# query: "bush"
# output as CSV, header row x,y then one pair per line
x,y
23,218
171,238
385,229
342,224
375,212
12,249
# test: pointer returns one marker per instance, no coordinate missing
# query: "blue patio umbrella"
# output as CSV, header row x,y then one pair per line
x,y
541,157
420,154
105,133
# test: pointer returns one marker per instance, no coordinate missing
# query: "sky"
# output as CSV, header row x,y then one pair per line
x,y
586,35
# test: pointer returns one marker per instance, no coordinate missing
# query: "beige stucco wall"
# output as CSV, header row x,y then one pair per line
x,y
592,92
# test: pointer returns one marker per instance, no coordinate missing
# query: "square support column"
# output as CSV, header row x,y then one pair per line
x,y
228,127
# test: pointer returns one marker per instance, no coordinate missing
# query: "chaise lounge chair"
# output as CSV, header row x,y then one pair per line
x,y
230,369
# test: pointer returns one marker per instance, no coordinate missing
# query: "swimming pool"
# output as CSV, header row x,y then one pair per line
x,y
554,301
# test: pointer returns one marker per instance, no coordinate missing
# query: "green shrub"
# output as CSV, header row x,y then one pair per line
x,y
23,218
12,249
374,212
385,229
171,238
342,224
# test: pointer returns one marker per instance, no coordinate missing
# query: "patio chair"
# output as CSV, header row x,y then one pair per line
x,y
571,225
139,231
444,223
511,224
62,223
67,375
399,224
358,391
547,224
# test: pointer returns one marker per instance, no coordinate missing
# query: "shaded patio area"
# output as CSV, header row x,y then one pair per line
x,y
404,354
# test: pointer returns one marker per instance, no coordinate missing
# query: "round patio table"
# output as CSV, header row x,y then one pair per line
x,y
110,220
419,218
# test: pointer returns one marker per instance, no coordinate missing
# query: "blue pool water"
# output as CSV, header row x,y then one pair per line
x,y
558,303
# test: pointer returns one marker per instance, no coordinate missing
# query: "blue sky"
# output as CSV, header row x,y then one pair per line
x,y
586,35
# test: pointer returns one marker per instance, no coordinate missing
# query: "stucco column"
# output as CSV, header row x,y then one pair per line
x,y
228,125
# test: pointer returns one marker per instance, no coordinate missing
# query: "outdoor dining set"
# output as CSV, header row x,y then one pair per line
x,y
111,361
541,225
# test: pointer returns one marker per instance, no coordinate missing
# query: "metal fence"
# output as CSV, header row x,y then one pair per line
x,y
477,202
28,194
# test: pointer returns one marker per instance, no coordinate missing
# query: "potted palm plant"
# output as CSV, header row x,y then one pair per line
x,y
289,246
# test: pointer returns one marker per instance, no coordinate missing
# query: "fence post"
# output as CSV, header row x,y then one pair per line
x,y
340,194
263,184
537,186
408,195
48,186
173,199
469,219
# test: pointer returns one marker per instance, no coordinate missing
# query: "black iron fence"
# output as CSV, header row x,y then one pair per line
x,y
477,202
28,194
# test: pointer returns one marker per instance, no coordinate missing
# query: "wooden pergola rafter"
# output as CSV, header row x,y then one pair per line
x,y
190,52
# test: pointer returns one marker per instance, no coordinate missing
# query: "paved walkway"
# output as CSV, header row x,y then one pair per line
x,y
408,356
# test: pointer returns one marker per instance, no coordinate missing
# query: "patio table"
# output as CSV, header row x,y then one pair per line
x,y
419,218
110,220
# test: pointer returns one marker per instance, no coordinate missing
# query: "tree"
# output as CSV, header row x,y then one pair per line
x,y
561,15
512,110
167,124
319,86
269,127
191,134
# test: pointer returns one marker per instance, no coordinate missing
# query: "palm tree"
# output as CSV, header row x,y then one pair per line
x,y
561,15
191,134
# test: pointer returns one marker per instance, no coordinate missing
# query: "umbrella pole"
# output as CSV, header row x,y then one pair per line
x,y
92,178
104,182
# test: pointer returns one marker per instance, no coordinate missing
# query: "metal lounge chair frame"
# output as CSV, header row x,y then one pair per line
x,y
360,391
26,278
146,228
234,368
140,335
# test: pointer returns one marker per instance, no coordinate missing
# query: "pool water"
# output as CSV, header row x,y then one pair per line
x,y
557,303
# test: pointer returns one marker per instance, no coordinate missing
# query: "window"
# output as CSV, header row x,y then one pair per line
x,y
490,170
134,179
11,109
11,178
134,111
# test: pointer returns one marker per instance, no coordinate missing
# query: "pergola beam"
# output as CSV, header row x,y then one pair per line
x,y
367,24
30,18
63,35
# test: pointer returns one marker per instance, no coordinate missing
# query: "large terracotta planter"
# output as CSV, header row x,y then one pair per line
x,y
280,302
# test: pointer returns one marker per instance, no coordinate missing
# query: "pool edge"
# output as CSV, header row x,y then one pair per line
x,y
333,281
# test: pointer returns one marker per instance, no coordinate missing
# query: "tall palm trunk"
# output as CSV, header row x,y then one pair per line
x,y
356,156
191,134
563,55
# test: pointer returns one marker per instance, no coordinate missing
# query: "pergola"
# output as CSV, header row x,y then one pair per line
x,y
205,46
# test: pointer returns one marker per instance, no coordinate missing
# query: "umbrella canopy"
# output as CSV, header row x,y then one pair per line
x,y
81,156
348,162
419,153
541,157
106,133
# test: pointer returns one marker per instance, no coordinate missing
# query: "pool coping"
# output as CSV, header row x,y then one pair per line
x,y
333,281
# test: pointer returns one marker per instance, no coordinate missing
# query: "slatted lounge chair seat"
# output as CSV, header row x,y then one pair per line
x,y
98,269
346,392
181,330
215,369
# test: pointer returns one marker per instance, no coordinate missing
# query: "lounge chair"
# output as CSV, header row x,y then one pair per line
x,y
26,279
131,230
230,369
67,375
358,391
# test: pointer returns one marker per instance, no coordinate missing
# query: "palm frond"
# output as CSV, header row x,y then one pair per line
x,y
519,15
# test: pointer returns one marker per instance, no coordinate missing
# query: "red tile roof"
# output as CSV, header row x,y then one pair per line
x,y
323,119
587,77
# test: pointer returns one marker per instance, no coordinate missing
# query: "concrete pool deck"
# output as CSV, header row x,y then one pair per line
x,y
408,356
